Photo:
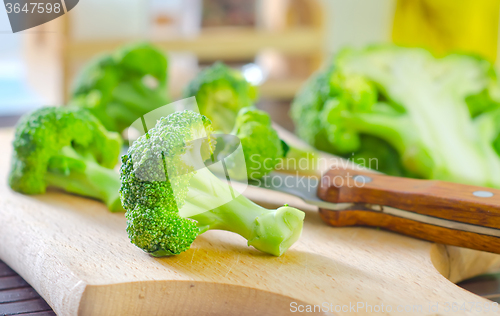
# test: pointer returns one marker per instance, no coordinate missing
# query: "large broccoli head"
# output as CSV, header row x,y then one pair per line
x,y
120,87
220,93
432,117
170,196
68,149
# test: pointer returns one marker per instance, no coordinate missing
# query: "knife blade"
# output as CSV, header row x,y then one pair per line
x,y
438,211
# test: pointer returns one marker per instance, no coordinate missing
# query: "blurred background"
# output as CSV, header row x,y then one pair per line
x,y
277,44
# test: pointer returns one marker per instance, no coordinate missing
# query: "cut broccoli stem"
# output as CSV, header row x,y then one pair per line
x,y
92,180
271,231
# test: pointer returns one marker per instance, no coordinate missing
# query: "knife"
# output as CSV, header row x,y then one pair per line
x,y
442,212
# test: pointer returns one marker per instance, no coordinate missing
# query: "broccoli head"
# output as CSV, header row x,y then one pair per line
x,y
437,117
171,198
220,93
262,147
67,149
120,87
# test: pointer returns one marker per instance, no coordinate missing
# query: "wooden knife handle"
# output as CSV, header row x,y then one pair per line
x,y
444,200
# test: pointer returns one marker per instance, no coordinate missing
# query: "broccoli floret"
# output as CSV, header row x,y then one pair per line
x,y
226,98
437,116
171,198
67,149
262,147
220,93
120,87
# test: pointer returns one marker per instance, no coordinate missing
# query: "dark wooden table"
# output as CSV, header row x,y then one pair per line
x,y
18,298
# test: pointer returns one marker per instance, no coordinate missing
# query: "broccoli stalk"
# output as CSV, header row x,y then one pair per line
x,y
80,173
270,231
67,149
171,198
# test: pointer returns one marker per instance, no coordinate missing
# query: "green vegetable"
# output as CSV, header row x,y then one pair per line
x,y
422,116
220,93
226,98
171,198
121,87
262,147
67,149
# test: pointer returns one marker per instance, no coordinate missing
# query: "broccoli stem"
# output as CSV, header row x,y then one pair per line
x,y
300,161
270,231
138,101
448,151
93,180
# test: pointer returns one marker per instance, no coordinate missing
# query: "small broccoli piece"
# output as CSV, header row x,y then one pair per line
x,y
226,98
120,87
262,147
220,93
171,198
67,149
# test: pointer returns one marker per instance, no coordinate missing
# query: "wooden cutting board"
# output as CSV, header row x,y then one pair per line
x,y
78,257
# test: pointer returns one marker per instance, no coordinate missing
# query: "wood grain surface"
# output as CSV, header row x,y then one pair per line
x,y
77,256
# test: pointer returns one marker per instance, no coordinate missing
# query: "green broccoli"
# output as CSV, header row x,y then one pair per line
x,y
171,198
435,118
120,87
220,93
226,98
262,147
306,107
67,149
